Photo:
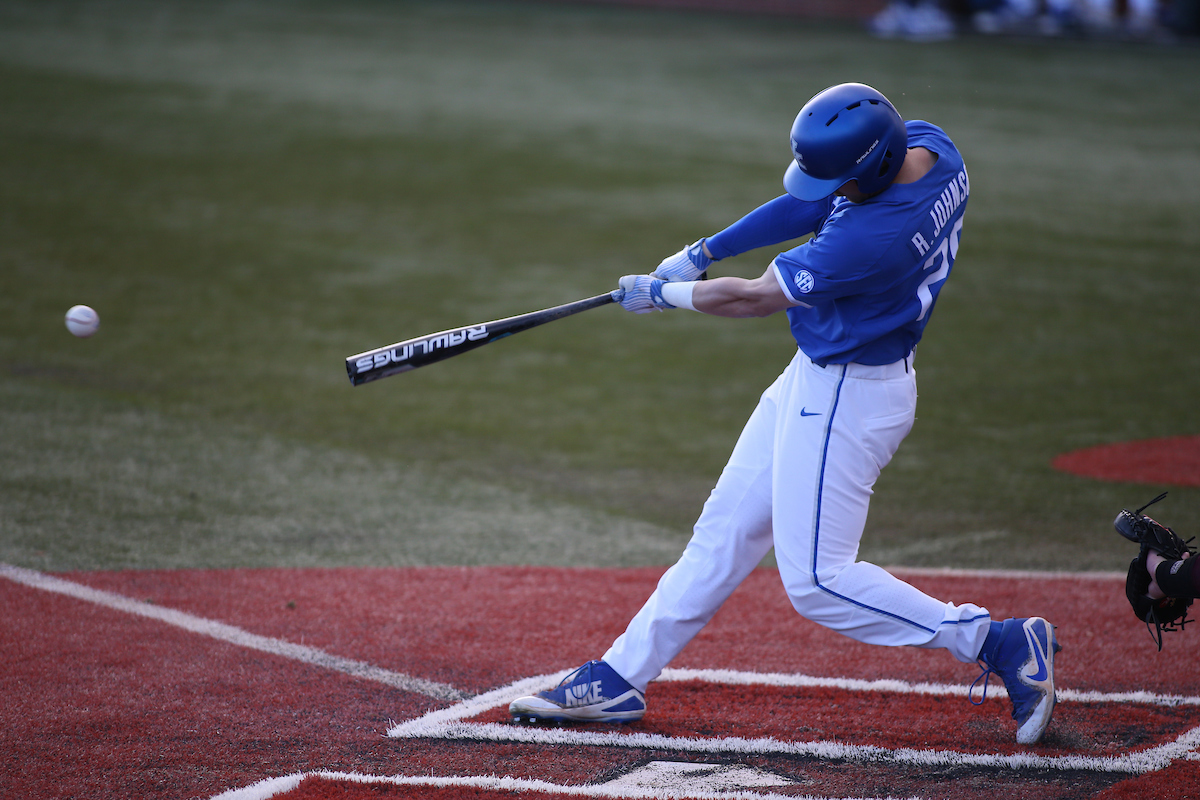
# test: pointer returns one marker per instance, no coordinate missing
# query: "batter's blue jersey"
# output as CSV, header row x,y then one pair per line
x,y
865,284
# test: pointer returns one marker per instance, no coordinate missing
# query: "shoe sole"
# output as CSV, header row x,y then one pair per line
x,y
538,719
523,712
1031,731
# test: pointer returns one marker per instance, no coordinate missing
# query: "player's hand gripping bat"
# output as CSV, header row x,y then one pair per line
x,y
412,353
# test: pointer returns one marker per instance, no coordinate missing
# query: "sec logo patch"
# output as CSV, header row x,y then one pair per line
x,y
804,281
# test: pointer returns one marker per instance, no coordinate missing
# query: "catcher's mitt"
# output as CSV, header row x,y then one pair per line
x,y
1168,613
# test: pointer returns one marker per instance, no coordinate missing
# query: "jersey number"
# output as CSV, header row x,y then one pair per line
x,y
947,251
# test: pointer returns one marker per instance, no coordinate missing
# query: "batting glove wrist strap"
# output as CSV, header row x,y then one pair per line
x,y
642,294
689,264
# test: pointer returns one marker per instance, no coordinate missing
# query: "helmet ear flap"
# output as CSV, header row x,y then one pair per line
x,y
886,164
890,164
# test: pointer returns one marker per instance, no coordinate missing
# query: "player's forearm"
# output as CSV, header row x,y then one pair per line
x,y
728,296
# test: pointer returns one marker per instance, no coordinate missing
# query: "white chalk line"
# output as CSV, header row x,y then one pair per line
x,y
736,678
231,634
449,723
1018,574
271,787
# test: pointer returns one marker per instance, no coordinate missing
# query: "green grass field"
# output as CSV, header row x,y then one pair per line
x,y
248,192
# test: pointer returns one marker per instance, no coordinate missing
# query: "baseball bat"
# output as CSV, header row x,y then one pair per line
x,y
431,348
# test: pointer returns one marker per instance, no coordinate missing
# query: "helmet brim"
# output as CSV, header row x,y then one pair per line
x,y
805,187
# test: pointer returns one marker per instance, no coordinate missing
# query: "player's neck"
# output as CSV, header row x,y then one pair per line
x,y
917,163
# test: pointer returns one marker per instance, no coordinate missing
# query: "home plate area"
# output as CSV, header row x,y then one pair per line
x,y
388,683
725,733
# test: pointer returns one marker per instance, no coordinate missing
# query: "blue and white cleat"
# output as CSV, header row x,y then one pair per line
x,y
1021,652
592,693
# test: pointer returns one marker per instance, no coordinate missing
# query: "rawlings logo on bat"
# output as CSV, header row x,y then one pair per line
x,y
406,350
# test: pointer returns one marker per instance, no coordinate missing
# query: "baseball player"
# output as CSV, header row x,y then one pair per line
x,y
885,202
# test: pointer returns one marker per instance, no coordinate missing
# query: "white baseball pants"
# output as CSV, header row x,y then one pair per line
x,y
800,479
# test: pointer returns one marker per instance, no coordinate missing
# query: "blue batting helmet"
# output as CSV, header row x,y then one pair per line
x,y
847,132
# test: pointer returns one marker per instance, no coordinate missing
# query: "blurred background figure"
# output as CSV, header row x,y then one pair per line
x,y
1101,18
938,20
1133,16
914,20
1042,17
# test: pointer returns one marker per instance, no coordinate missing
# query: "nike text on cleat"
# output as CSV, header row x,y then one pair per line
x,y
592,693
1021,652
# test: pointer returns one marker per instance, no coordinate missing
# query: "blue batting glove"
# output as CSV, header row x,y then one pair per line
x,y
642,294
689,264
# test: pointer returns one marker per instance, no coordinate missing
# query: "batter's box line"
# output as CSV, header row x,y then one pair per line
x,y
449,723
273,787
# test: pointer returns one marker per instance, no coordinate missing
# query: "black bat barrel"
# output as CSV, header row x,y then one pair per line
x,y
413,353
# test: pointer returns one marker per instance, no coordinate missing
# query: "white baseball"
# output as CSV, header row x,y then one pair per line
x,y
82,321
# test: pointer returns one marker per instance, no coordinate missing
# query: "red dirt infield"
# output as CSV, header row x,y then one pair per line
x,y
106,700
1170,461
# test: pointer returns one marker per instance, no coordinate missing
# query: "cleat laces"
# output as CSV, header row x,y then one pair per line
x,y
984,676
